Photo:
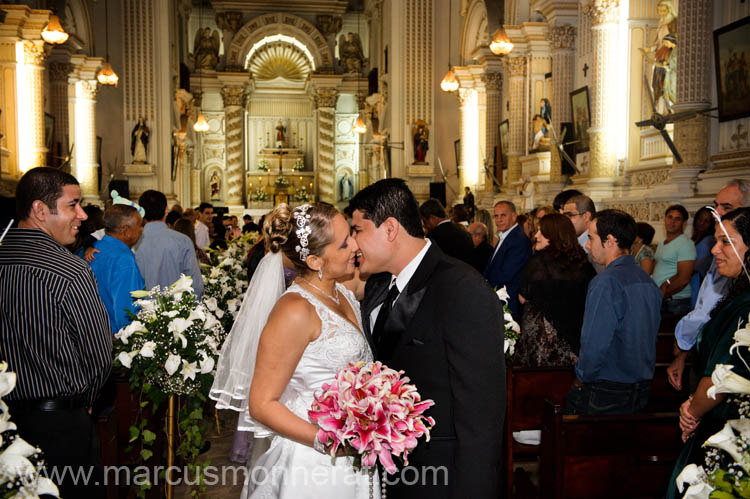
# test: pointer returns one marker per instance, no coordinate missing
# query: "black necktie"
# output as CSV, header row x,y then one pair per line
x,y
385,311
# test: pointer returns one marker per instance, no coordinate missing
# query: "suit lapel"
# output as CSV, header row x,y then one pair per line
x,y
375,291
408,303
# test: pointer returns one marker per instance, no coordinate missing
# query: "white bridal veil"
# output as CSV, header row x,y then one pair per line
x,y
236,365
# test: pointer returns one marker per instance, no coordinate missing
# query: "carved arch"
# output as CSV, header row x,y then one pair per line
x,y
474,31
77,22
272,24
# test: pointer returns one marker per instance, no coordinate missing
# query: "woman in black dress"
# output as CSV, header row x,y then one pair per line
x,y
553,289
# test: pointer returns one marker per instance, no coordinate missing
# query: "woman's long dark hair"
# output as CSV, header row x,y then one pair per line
x,y
740,219
563,243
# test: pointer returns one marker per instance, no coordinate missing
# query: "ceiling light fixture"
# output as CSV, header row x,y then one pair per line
x,y
201,124
54,33
501,44
359,124
449,83
106,75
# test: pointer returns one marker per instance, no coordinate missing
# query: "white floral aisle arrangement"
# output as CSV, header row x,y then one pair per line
x,y
170,349
726,471
511,327
225,281
20,463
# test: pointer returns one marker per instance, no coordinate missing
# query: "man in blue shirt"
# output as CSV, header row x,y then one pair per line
x,y
115,268
164,254
621,320
736,194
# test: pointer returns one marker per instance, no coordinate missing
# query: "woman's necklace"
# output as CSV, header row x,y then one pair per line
x,y
334,299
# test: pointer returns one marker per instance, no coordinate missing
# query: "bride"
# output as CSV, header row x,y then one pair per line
x,y
313,330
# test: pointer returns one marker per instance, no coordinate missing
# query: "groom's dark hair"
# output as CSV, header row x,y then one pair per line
x,y
389,197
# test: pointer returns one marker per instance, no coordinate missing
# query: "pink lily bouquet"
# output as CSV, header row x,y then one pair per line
x,y
373,410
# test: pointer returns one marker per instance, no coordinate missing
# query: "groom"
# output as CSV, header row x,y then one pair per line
x,y
438,320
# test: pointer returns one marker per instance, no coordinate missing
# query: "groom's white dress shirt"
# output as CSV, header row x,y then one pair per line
x,y
402,279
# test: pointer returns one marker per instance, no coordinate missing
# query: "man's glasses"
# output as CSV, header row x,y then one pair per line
x,y
571,214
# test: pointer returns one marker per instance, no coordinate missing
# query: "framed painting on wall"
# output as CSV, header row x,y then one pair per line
x,y
731,56
503,130
579,105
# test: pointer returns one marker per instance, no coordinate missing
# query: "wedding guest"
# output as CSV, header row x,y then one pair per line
x,y
559,202
621,320
510,255
675,259
92,229
469,202
448,235
703,238
115,268
218,232
540,212
191,215
172,217
527,224
482,249
551,326
581,210
205,214
162,253
249,226
55,330
186,227
701,416
641,249
734,195
483,216
461,215
177,208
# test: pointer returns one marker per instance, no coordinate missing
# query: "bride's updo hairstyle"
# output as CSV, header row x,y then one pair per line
x,y
283,228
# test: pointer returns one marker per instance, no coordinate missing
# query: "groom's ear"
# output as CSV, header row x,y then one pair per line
x,y
392,228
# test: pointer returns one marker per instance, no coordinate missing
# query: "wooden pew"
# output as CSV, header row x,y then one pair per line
x,y
607,456
528,387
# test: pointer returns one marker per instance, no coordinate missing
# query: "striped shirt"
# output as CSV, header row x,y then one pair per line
x,y
55,330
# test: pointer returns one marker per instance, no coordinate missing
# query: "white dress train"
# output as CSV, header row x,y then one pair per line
x,y
290,470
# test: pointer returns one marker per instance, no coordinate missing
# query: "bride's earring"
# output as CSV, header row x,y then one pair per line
x,y
320,273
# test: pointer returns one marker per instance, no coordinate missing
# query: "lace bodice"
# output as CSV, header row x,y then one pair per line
x,y
339,343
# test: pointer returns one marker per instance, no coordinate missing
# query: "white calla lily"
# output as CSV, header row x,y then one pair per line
x,y
147,350
211,321
211,303
207,363
189,370
172,313
502,293
172,363
726,381
7,380
46,486
197,314
691,474
126,358
727,441
179,325
741,339
139,293
5,422
13,465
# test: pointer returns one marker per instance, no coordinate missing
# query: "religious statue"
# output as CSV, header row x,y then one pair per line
x,y
659,53
280,131
206,49
541,125
350,53
346,187
139,141
215,183
421,136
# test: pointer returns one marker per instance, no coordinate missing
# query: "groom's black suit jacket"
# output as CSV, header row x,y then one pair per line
x,y
446,332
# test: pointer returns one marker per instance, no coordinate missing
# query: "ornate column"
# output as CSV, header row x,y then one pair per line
x,y
233,97
325,104
32,150
58,77
197,164
603,149
562,44
492,84
469,160
516,67
85,163
693,57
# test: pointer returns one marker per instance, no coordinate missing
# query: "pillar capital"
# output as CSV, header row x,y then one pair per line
x,y
34,53
233,96
562,37
516,66
602,11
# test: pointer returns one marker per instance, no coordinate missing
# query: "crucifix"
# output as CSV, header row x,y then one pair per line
x,y
585,69
281,153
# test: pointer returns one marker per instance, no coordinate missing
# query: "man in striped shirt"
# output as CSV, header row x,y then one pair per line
x,y
55,329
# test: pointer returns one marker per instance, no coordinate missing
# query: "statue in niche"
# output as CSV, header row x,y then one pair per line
x,y
280,134
215,183
421,138
350,53
541,125
206,49
139,138
660,52
346,187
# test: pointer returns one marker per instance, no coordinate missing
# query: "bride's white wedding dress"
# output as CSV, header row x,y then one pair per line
x,y
289,470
